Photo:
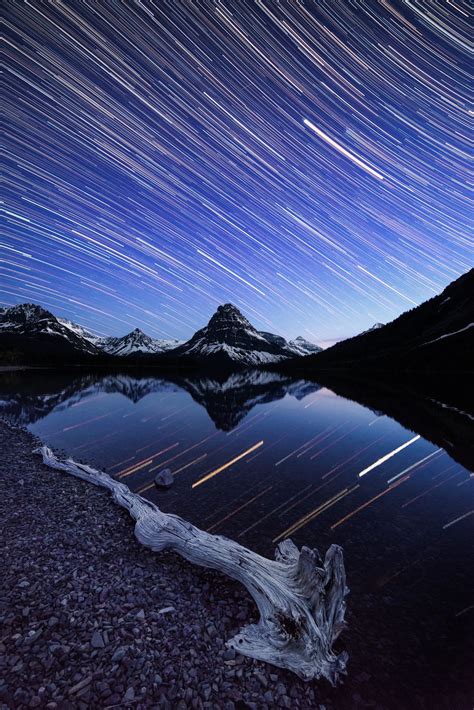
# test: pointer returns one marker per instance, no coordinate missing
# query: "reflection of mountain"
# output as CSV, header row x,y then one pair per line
x,y
229,399
134,388
440,410
26,398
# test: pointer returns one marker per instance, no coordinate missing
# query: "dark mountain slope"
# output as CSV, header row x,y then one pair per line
x,y
436,336
31,333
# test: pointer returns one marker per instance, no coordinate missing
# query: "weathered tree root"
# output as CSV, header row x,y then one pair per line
x,y
300,598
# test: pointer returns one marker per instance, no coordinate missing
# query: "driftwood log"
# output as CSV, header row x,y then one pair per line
x,y
299,596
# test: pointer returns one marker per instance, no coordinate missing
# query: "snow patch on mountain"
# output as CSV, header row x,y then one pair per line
x,y
376,326
81,331
136,342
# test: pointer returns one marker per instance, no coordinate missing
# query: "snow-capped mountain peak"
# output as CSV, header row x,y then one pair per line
x,y
33,321
230,338
24,313
302,346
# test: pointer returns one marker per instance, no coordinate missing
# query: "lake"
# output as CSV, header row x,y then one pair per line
x,y
259,456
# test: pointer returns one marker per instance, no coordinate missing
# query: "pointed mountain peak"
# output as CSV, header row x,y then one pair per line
x,y
228,308
303,346
229,315
137,331
376,326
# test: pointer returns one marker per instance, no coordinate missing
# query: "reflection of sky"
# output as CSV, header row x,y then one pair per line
x,y
308,464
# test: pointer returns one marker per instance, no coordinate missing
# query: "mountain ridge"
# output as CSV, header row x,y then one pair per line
x,y
436,335
228,339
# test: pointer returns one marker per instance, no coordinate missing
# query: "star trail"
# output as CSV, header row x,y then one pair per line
x,y
305,161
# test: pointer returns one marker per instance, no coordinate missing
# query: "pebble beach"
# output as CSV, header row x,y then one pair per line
x,y
91,619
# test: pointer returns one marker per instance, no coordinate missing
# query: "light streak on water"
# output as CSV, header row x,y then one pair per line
x,y
227,465
388,456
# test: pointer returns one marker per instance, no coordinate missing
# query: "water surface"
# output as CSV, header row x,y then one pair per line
x,y
259,456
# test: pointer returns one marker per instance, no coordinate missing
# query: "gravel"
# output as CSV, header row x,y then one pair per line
x,y
90,619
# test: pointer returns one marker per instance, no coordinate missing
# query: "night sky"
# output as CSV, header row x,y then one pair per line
x,y
307,162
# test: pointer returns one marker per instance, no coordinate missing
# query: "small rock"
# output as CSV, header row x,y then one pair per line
x,y
164,478
119,653
129,695
211,630
97,641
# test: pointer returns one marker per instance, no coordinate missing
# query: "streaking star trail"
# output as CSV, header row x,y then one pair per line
x,y
305,161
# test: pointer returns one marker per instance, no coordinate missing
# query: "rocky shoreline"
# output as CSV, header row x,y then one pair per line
x,y
90,619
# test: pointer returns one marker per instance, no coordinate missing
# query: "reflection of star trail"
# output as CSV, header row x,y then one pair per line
x,y
457,520
414,465
191,463
369,502
145,462
431,488
388,456
307,161
237,510
351,458
309,517
227,465
272,512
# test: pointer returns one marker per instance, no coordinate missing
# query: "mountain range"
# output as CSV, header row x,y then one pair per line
x,y
229,339
438,335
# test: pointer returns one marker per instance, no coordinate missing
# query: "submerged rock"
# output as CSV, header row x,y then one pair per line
x,y
164,478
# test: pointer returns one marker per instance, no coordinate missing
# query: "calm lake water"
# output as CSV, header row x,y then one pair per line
x,y
258,457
